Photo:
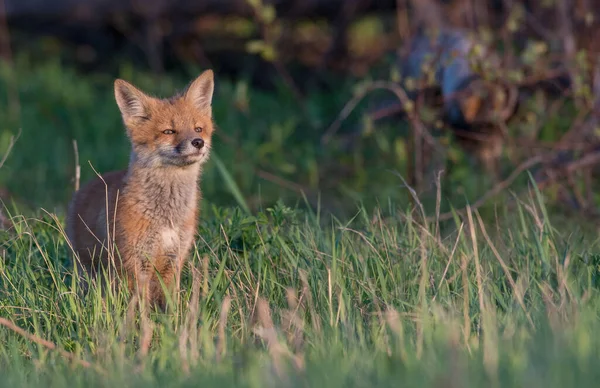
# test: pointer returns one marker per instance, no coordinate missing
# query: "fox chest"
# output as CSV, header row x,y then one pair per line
x,y
173,241
170,239
160,225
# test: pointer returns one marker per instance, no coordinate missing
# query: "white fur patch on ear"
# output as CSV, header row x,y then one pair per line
x,y
201,90
132,102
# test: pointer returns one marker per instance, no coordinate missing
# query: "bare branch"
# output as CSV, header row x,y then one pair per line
x,y
49,345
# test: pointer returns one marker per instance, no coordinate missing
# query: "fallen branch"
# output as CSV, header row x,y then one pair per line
x,y
581,163
49,345
497,189
552,174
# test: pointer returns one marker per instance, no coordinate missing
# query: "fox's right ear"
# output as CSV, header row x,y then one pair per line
x,y
132,102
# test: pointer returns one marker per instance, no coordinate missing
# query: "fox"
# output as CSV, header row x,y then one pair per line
x,y
149,212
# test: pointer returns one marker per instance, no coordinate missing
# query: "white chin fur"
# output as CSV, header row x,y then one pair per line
x,y
191,159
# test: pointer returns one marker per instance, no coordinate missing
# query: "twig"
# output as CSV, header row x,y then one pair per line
x,y
566,32
552,173
539,28
387,111
402,97
586,161
506,270
49,345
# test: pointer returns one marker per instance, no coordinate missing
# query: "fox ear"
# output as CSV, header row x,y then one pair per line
x,y
132,102
200,91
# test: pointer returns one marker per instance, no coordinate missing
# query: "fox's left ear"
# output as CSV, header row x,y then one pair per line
x,y
200,91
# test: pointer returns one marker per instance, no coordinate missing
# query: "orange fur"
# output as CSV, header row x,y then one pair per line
x,y
149,212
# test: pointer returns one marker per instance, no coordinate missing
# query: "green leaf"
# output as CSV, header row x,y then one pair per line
x,y
268,14
255,46
230,183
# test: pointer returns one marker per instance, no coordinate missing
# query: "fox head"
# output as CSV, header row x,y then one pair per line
x,y
168,132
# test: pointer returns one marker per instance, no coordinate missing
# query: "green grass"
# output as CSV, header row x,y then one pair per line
x,y
284,298
280,292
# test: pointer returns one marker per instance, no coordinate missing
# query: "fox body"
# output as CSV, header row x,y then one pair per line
x,y
149,211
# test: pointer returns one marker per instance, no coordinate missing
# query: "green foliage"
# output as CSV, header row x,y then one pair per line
x,y
265,17
254,142
267,146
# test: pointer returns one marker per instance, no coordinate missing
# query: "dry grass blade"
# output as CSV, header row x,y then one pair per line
x,y
458,235
315,322
466,310
4,222
77,166
438,202
11,144
490,341
393,320
147,328
222,344
392,317
505,268
294,325
183,350
194,315
478,275
266,331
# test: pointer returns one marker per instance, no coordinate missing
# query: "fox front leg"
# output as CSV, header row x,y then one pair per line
x,y
166,279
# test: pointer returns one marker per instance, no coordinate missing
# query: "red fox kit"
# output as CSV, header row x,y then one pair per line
x,y
150,210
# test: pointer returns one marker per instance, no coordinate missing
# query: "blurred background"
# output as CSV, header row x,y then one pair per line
x,y
323,103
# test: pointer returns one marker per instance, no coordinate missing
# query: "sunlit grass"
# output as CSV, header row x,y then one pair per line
x,y
284,299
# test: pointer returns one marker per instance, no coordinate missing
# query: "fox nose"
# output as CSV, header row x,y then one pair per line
x,y
198,143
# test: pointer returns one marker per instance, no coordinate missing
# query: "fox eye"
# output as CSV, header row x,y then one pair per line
x,y
198,129
168,131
